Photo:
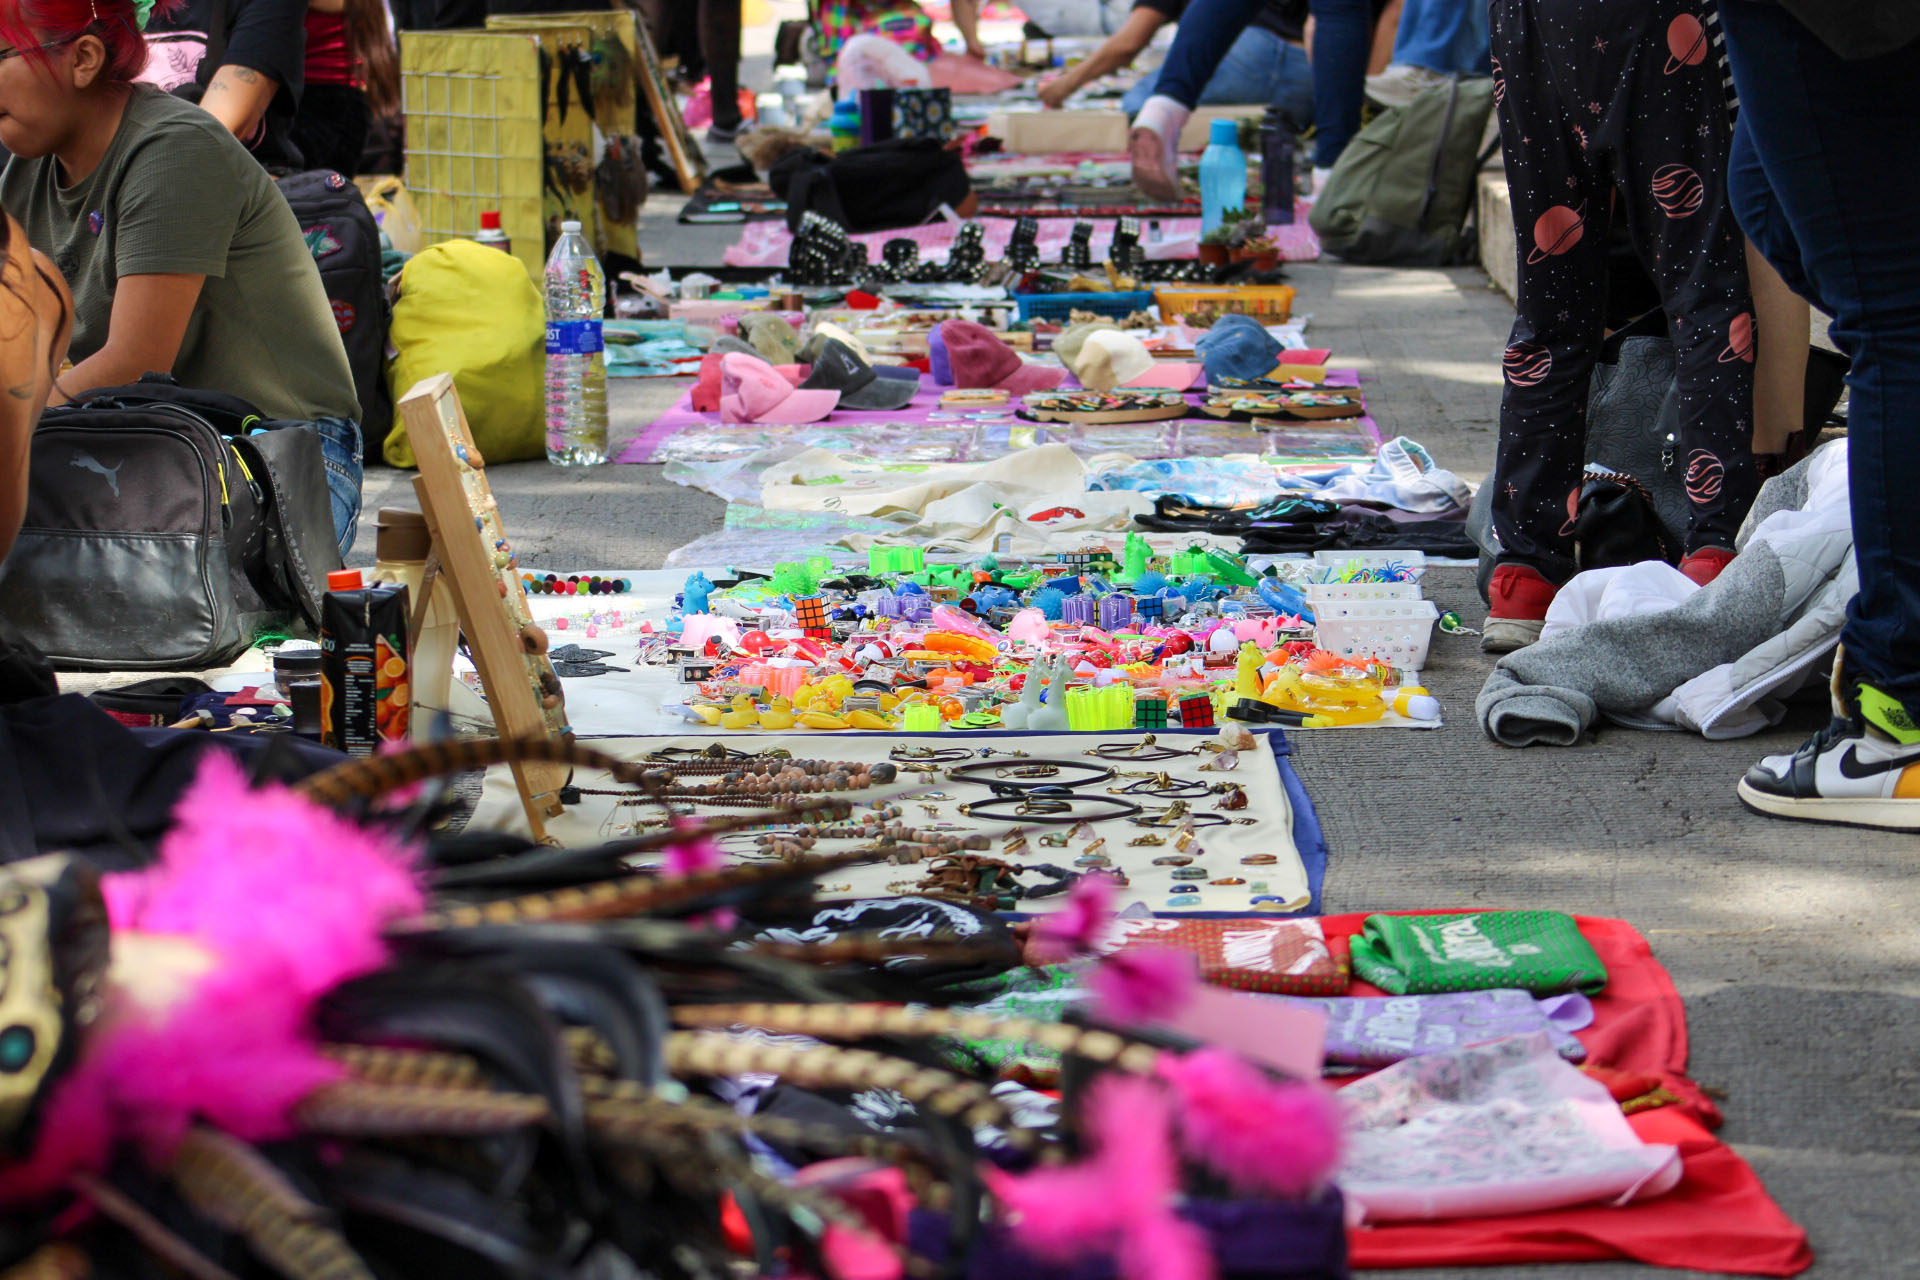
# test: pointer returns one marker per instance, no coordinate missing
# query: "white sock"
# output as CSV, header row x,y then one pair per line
x,y
1164,116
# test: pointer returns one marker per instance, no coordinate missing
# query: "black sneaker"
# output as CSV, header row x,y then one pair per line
x,y
1853,772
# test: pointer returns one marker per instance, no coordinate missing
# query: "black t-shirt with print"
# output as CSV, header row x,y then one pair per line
x,y
268,36
1285,18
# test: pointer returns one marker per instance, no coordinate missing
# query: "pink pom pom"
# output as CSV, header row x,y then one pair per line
x,y
1081,924
1163,1246
1265,1136
1145,984
559,624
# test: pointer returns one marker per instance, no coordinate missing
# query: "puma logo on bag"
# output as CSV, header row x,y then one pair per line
x,y
86,462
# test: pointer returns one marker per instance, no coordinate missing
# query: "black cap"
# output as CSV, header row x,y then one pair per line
x,y
837,368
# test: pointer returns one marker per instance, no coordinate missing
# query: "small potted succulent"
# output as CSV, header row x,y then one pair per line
x,y
1262,252
1213,246
1227,237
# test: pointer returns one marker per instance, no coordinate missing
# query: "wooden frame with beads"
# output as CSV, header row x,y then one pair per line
x,y
470,546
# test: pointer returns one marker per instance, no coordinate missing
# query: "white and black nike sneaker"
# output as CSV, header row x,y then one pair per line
x,y
1849,773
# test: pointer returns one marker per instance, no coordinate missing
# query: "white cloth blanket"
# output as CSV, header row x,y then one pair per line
x,y
1552,691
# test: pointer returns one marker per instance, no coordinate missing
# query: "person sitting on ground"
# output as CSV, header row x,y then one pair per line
x,y
255,90
1342,44
182,255
1436,39
36,323
901,21
1267,63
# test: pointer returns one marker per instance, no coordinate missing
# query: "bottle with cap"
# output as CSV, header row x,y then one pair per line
x,y
401,547
366,677
491,233
1223,175
576,290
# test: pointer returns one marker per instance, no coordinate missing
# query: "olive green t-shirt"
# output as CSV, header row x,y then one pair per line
x,y
178,194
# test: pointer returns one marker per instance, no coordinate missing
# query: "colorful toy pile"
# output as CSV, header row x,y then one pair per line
x,y
1086,642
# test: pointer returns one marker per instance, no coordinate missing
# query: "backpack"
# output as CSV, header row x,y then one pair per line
x,y
164,528
345,241
1401,192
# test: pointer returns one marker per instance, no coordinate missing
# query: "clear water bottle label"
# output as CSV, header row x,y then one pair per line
x,y
574,338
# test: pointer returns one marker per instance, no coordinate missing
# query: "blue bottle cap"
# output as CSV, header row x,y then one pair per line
x,y
1224,131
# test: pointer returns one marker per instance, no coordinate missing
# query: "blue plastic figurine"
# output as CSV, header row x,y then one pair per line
x,y
694,594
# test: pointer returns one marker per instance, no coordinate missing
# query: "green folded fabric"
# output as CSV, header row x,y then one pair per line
x,y
1537,951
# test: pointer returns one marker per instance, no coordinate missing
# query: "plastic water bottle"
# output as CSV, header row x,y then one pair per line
x,y
576,365
1276,168
1223,174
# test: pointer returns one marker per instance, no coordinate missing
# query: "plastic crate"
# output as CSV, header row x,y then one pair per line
x,y
1338,593
1059,306
1396,631
1412,563
1270,303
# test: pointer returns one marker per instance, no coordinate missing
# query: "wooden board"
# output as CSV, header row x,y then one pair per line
x,y
689,164
470,542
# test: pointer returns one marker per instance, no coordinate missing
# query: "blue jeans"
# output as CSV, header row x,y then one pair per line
x,y
1444,35
1825,179
340,449
1342,42
1258,67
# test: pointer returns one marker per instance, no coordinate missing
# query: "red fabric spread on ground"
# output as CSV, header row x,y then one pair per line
x,y
1719,1218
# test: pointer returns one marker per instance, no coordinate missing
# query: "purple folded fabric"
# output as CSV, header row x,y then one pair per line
x,y
1373,1031
937,363
1263,1239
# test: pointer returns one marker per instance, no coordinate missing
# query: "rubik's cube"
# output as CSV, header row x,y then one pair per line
x,y
1148,607
811,613
1149,712
1196,711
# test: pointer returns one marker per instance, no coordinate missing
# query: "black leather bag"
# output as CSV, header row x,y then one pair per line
x,y
165,528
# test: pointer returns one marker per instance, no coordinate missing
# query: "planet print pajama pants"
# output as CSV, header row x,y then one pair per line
x,y
1616,108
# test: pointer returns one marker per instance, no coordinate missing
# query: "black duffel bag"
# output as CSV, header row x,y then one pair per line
x,y
166,528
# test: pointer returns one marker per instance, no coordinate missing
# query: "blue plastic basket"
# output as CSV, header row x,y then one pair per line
x,y
1058,306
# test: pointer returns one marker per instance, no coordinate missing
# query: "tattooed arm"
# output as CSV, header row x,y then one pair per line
x,y
36,320
239,97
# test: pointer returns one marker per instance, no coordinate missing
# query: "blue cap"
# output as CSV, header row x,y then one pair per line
x,y
1224,131
1237,347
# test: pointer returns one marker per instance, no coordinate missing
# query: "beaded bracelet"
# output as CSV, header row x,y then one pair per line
x,y
574,585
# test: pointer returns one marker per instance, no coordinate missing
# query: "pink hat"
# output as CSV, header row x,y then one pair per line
x,y
979,359
751,390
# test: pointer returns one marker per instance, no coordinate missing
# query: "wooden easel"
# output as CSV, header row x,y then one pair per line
x,y
689,164
468,541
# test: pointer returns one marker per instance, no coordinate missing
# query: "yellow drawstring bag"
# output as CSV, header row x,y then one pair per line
x,y
472,312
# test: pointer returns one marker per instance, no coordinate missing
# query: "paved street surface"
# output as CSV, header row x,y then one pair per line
x,y
1794,946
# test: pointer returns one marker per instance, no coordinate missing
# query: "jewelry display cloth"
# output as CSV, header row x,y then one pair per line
x,y
1217,850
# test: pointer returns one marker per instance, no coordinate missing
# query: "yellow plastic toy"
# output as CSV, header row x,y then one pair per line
x,y
710,714
975,647
864,719
778,715
822,720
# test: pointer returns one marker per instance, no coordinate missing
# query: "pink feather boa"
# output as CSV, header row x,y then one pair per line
x,y
290,899
1144,984
1121,1200
1263,1136
1081,924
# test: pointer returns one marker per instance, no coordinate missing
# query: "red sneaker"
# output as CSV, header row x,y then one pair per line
x,y
1704,565
1520,596
1153,170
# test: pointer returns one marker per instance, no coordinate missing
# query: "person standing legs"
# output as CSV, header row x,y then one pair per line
x,y
720,47
1342,39
1841,169
1599,110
